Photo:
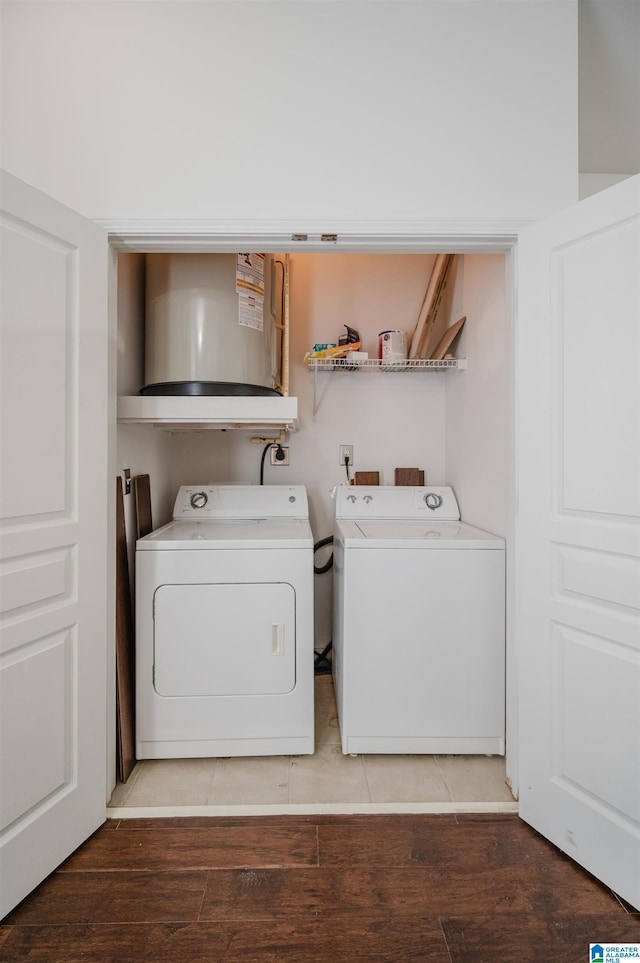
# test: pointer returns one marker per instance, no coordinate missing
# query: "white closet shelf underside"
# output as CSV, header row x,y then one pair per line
x,y
221,412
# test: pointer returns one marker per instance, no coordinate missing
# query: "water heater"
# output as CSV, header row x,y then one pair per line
x,y
204,335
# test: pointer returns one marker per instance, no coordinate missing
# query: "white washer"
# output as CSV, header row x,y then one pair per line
x,y
419,624
224,624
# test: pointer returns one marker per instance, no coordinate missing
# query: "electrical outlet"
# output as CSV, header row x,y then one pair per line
x,y
346,451
283,451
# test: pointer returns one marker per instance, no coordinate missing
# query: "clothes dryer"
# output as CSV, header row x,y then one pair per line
x,y
419,624
224,619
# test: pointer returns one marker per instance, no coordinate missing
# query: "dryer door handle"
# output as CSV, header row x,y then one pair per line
x,y
277,638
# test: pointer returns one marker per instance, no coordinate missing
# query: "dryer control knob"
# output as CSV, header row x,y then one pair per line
x,y
199,500
368,498
433,500
351,498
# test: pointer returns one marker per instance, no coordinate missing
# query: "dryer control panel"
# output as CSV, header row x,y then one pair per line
x,y
379,501
241,501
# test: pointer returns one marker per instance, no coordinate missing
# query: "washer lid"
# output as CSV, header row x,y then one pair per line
x,y
419,535
240,533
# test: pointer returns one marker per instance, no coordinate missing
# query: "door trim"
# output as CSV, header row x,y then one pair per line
x,y
419,236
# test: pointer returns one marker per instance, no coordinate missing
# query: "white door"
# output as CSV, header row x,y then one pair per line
x,y
53,517
578,533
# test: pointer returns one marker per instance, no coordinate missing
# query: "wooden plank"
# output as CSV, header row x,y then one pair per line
x,y
447,339
433,295
367,478
142,494
125,655
409,476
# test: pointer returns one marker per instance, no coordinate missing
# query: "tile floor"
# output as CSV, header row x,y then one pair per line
x,y
327,778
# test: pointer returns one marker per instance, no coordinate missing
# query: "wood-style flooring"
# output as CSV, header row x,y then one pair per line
x,y
437,888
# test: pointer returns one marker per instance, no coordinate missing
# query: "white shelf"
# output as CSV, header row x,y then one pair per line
x,y
373,364
206,412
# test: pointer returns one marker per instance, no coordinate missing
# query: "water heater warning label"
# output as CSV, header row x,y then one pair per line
x,y
250,288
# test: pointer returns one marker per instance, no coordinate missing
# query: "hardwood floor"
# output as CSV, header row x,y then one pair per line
x,y
317,889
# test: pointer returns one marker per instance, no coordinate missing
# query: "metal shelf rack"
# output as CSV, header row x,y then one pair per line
x,y
373,364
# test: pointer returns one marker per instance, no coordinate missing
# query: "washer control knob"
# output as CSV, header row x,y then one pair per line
x,y
292,498
433,500
351,498
199,499
368,498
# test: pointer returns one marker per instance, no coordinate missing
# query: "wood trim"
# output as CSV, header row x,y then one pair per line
x,y
142,494
447,339
125,655
429,310
409,476
366,478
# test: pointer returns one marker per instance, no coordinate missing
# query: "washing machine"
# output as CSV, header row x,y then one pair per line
x,y
224,626
419,624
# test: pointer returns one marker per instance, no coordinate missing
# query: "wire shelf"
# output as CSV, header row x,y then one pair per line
x,y
373,364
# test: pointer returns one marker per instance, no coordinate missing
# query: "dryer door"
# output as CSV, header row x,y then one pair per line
x,y
224,639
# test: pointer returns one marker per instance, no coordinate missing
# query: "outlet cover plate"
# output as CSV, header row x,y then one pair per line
x,y
276,461
346,451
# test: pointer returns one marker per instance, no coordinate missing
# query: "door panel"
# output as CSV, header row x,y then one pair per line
x,y
38,364
583,734
53,515
597,388
578,533
37,766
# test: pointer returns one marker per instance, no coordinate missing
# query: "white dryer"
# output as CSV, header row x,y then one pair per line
x,y
224,626
419,624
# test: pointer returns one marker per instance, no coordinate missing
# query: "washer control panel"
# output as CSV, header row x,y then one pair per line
x,y
369,501
241,501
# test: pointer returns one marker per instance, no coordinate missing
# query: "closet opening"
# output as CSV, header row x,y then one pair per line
x,y
453,425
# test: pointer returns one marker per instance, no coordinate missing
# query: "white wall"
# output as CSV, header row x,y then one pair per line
x,y
293,111
594,183
608,89
455,426
141,450
392,419
479,400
